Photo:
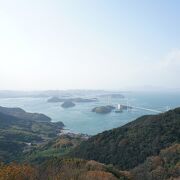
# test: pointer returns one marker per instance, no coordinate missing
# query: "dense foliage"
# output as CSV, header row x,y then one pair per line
x,y
78,169
57,147
61,169
147,148
18,135
130,145
164,166
17,172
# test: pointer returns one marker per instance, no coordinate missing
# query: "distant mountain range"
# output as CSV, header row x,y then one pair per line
x,y
56,93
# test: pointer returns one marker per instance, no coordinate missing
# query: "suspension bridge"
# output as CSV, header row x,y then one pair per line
x,y
127,106
146,109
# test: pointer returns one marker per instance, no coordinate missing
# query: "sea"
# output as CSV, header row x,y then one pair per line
x,y
81,119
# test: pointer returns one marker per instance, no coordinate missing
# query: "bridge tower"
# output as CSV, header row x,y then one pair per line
x,y
127,104
168,108
109,100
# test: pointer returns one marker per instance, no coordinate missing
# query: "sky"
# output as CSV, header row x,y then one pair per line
x,y
89,44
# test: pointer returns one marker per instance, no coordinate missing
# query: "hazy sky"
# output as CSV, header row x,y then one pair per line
x,y
89,44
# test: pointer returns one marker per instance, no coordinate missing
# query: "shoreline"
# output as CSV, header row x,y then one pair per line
x,y
65,131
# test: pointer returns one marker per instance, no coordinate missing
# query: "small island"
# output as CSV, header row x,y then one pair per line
x,y
55,100
67,104
81,100
103,109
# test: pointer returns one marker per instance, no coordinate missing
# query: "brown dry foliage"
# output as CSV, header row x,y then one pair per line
x,y
98,175
17,172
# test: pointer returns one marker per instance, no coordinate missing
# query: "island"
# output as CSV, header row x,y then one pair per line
x,y
68,104
115,95
55,100
78,100
103,109
84,99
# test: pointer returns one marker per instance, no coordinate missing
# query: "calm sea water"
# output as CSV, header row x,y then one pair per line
x,y
80,119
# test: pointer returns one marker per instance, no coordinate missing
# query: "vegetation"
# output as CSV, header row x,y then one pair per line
x,y
20,113
103,109
78,169
164,166
57,147
17,172
58,168
130,145
18,135
145,149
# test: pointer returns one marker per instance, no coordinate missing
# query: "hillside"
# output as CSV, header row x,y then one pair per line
x,y
18,135
166,165
21,114
147,148
61,169
128,146
56,147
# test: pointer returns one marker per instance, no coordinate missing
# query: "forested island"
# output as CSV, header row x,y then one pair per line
x,y
103,109
78,100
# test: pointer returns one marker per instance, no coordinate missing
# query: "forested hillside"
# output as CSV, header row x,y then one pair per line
x,y
61,169
127,146
18,135
145,149
166,165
